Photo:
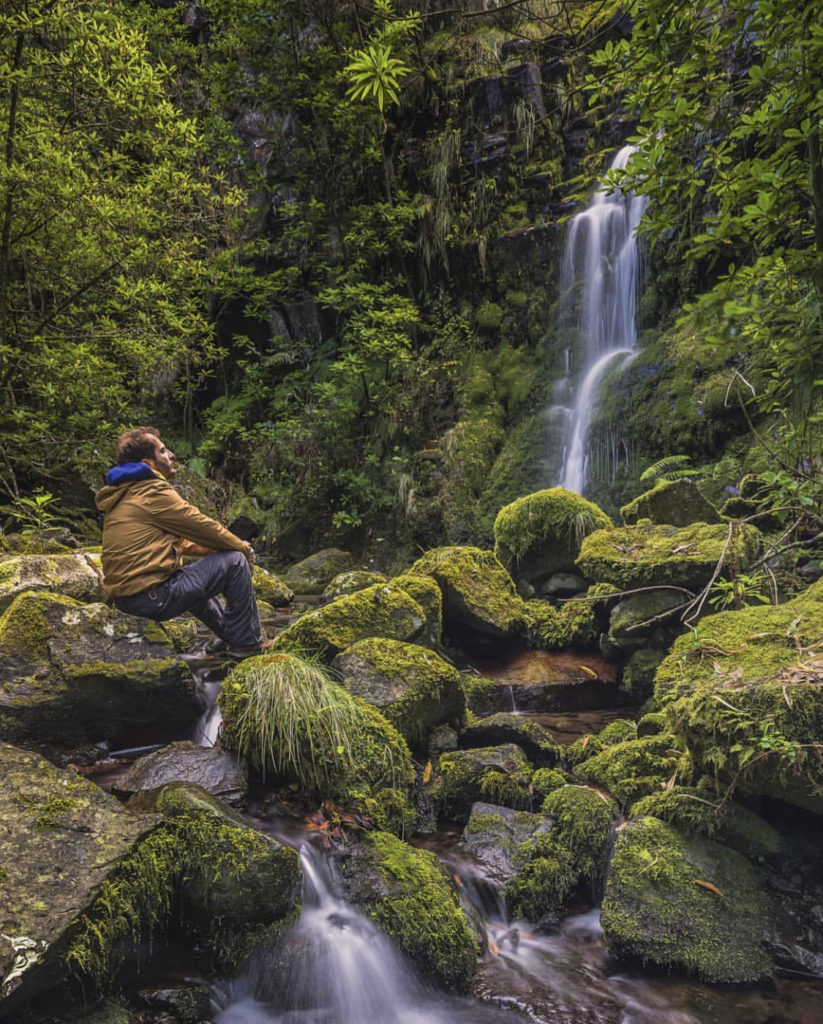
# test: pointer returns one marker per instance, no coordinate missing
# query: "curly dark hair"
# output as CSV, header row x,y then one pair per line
x,y
137,444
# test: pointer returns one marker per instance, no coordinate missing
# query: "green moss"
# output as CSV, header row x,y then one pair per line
x,y
425,591
573,624
477,590
481,692
685,903
499,775
648,555
550,517
420,911
633,768
545,781
573,852
488,316
24,627
384,610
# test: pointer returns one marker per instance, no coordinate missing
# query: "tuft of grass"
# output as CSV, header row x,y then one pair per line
x,y
289,717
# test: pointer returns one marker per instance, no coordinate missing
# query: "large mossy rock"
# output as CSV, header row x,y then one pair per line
x,y
76,575
540,534
493,836
270,588
426,592
536,742
478,593
211,768
646,555
73,672
684,902
350,582
500,775
410,897
412,686
384,610
744,695
572,854
633,768
636,617
315,573
62,837
676,502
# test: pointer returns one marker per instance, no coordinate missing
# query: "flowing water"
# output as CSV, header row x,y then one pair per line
x,y
600,270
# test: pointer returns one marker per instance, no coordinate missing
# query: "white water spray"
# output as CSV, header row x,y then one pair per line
x,y
602,261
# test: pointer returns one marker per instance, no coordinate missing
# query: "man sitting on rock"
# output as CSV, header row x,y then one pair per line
x,y
147,530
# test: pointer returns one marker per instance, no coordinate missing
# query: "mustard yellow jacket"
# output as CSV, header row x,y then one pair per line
x,y
144,532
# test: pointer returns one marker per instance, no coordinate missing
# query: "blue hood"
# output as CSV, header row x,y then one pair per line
x,y
128,472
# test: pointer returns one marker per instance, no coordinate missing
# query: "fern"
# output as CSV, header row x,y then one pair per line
x,y
670,467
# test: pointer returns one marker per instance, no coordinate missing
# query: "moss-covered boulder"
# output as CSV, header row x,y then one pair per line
x,y
350,582
412,686
271,589
637,617
315,573
238,886
540,534
425,591
74,575
288,720
61,839
684,902
638,675
493,835
633,768
410,897
499,775
384,610
649,555
73,672
211,768
690,812
572,854
478,593
744,694
572,624
534,739
676,502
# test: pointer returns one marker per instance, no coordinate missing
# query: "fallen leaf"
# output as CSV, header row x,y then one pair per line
x,y
585,742
589,671
709,886
427,772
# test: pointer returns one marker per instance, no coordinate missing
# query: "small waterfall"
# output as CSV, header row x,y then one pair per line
x,y
335,967
601,263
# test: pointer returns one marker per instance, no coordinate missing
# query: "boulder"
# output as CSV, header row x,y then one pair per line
x,y
539,535
633,768
315,573
410,897
536,742
351,582
74,575
744,694
685,902
62,838
499,775
384,610
493,835
676,502
412,686
573,624
214,770
646,555
574,852
637,616
271,589
425,591
73,672
478,593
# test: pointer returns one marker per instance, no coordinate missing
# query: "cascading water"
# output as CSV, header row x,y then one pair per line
x,y
335,967
601,264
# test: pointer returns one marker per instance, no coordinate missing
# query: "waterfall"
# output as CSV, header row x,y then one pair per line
x,y
335,967
601,262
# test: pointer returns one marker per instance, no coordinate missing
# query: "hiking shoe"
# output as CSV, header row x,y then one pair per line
x,y
239,653
216,646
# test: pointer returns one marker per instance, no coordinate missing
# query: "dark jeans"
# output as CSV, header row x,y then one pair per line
x,y
194,588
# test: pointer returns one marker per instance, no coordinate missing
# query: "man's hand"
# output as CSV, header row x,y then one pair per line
x,y
249,553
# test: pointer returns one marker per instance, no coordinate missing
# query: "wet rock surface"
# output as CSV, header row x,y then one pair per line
x,y
215,771
72,575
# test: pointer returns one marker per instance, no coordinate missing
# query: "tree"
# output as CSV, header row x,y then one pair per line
x,y
109,219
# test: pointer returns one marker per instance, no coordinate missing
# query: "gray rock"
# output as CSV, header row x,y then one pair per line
x,y
76,575
61,838
213,770
563,584
493,833
536,742
351,582
313,574
270,588
71,673
676,502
